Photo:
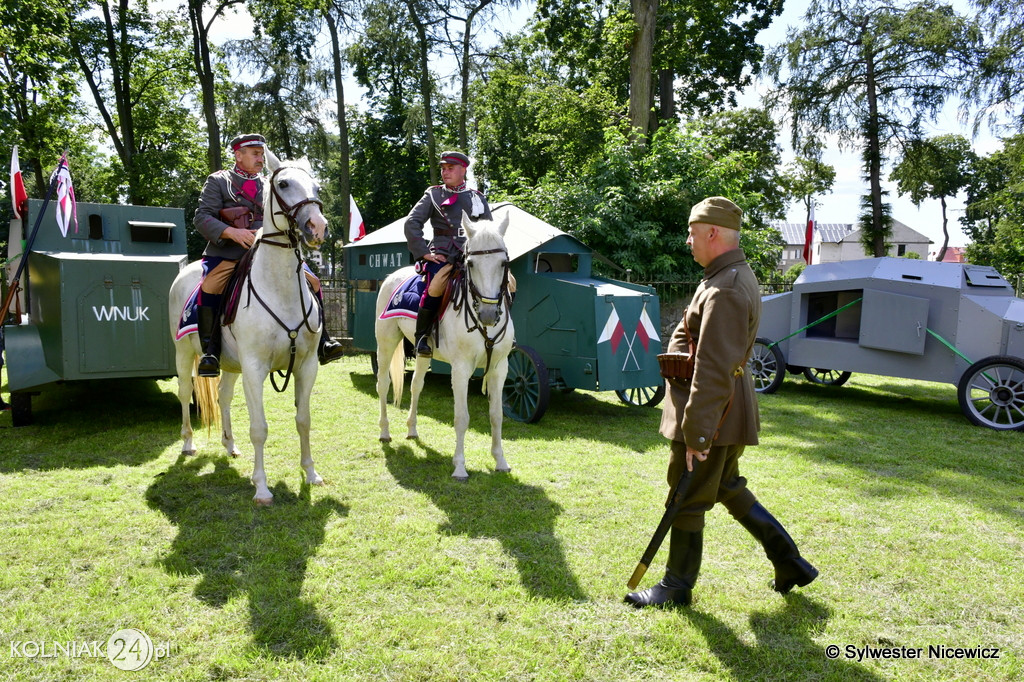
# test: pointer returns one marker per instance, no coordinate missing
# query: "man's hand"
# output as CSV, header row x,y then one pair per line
x,y
691,453
236,234
435,258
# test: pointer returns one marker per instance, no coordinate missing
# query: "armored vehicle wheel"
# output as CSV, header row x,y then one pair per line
x,y
767,366
645,396
525,395
829,377
991,393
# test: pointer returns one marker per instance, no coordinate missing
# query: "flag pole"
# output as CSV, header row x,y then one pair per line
x,y
15,283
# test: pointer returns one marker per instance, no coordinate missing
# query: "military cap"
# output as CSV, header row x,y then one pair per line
x,y
247,140
455,157
717,211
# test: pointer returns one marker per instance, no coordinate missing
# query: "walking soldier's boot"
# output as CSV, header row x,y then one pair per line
x,y
328,350
791,570
424,322
209,341
684,555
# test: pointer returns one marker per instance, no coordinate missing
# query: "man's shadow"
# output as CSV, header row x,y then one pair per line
x,y
784,642
240,548
494,505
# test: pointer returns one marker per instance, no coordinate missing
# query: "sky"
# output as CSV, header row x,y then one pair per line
x,y
842,205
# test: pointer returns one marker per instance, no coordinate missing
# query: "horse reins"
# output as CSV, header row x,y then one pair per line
x,y
289,212
467,291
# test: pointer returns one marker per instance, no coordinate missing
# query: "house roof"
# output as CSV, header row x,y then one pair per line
x,y
834,233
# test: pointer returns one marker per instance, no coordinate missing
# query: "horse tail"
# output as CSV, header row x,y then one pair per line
x,y
397,371
206,390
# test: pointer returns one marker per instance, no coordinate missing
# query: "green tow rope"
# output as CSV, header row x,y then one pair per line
x,y
827,317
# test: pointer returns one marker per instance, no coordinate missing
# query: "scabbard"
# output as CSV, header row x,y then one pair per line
x,y
675,504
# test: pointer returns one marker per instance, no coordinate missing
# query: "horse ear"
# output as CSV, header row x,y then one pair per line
x,y
468,226
273,163
503,225
305,165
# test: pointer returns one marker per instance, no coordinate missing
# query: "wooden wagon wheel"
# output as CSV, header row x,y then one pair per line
x,y
991,393
767,366
645,396
828,377
525,395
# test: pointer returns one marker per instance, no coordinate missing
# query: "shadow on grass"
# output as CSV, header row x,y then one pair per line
x,y
785,643
631,427
93,424
498,506
239,548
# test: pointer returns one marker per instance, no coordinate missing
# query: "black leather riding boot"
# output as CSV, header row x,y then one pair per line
x,y
209,340
791,570
328,350
424,322
684,556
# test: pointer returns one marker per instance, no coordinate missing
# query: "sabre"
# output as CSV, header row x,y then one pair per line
x,y
675,504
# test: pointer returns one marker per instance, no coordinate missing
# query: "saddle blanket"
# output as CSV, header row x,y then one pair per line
x,y
188,320
406,300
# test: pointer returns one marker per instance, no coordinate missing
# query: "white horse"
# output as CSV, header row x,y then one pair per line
x,y
476,330
276,327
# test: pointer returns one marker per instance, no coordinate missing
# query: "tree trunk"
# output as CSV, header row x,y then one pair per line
x,y
641,53
467,38
874,162
945,232
344,182
425,89
204,71
666,95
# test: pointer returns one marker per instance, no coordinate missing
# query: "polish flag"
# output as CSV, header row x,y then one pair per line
x,y
809,237
613,331
645,329
19,197
67,208
356,226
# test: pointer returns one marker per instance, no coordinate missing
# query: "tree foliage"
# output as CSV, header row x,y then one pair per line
x,y
995,208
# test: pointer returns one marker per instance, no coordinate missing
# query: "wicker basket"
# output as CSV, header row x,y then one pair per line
x,y
676,365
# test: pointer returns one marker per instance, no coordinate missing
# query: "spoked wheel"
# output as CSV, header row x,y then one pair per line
x,y
828,377
991,393
645,396
524,397
767,366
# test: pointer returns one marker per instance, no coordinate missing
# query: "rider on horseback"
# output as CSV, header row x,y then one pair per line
x,y
444,206
229,238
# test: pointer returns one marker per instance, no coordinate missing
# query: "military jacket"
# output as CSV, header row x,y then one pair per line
x,y
223,189
444,209
722,318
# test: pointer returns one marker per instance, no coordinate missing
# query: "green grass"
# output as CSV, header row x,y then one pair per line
x,y
393,571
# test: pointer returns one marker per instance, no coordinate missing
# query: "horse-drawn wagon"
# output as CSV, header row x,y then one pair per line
x,y
946,322
573,329
94,301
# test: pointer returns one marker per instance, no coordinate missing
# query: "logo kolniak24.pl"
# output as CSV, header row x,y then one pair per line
x,y
128,649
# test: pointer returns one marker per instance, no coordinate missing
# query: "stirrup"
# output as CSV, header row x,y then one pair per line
x,y
330,351
423,348
209,366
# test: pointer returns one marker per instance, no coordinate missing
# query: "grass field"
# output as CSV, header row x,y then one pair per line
x,y
393,571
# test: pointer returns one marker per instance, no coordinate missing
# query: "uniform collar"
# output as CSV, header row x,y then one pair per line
x,y
241,173
730,257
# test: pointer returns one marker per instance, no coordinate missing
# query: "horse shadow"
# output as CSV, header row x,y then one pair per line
x,y
785,641
497,506
239,548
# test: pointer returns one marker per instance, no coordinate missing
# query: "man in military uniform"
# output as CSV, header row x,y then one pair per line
x,y
242,185
442,205
714,416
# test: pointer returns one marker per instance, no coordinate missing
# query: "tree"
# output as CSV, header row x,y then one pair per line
x,y
995,208
936,168
871,73
998,85
807,176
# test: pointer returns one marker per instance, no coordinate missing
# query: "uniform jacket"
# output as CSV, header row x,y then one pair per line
x,y
722,318
445,219
223,190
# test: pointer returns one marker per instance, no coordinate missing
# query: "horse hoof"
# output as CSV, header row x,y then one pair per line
x,y
385,440
316,481
461,479
263,502
412,436
504,470
187,452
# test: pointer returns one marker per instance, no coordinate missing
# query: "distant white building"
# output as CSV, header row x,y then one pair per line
x,y
835,242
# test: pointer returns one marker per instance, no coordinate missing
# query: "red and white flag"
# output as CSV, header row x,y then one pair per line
x,y
809,237
613,331
645,329
67,208
356,226
19,197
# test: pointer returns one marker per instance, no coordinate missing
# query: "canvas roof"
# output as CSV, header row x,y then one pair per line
x,y
525,232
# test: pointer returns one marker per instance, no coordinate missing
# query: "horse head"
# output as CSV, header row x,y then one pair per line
x,y
295,196
486,267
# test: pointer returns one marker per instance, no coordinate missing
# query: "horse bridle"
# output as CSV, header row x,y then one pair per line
x,y
290,212
472,316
